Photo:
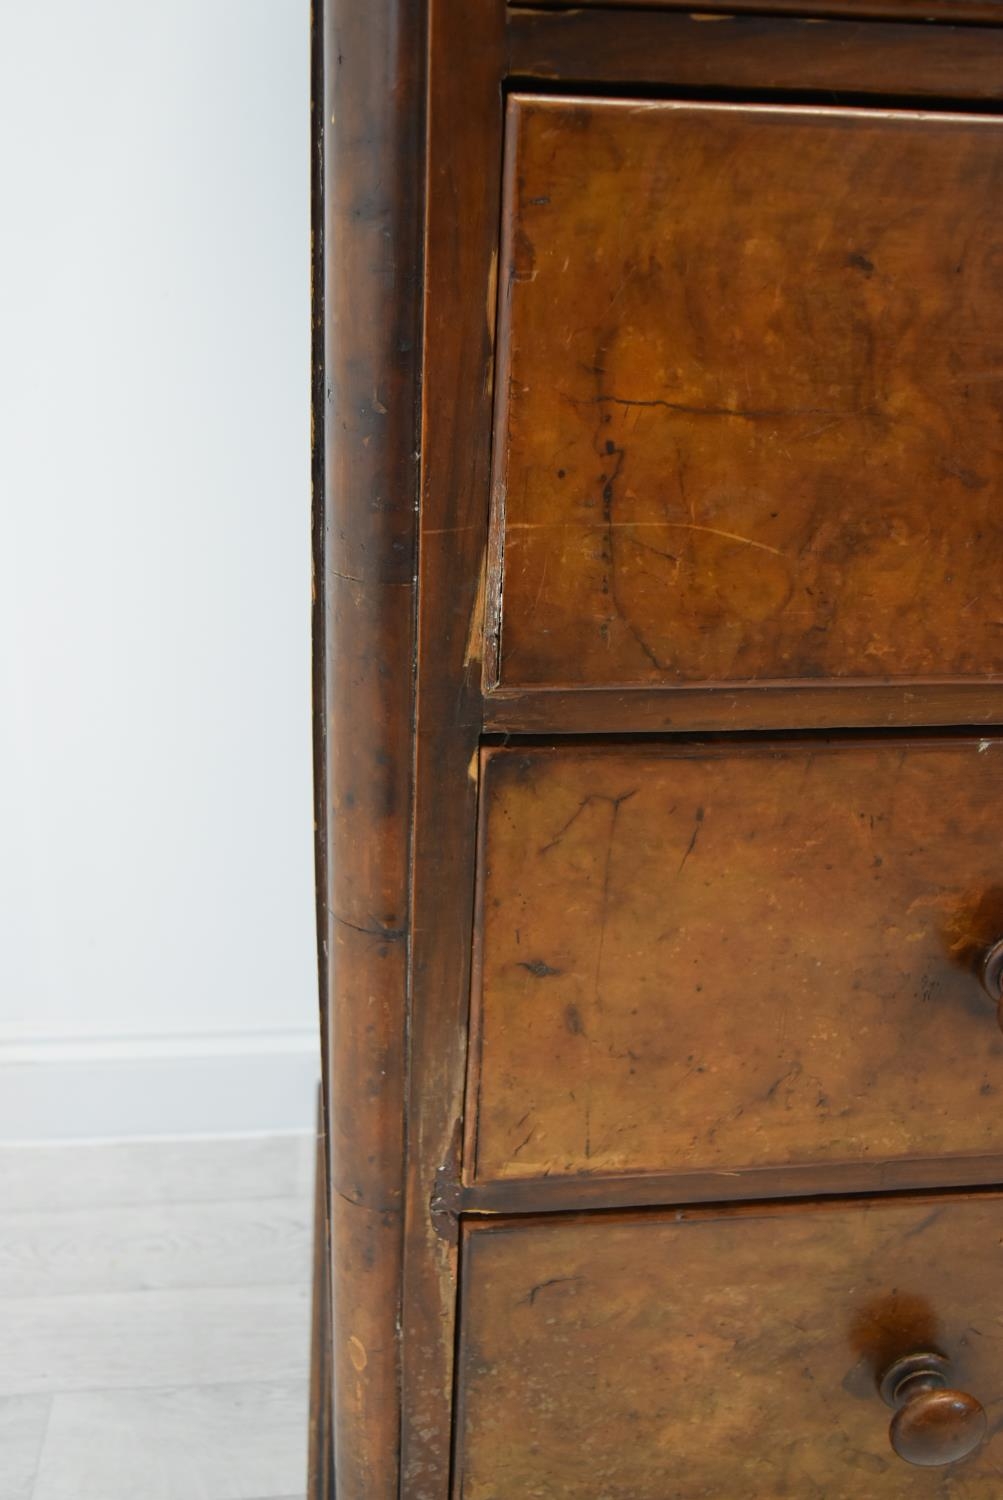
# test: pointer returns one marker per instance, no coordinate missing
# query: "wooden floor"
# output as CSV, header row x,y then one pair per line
x,y
154,1320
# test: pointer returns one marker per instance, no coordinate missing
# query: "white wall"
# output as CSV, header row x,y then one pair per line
x,y
156,916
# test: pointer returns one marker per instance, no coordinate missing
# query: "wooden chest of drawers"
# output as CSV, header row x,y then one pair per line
x,y
659,657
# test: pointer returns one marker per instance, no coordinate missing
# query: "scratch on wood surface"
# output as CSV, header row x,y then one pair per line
x,y
740,413
492,302
731,536
604,909
539,968
541,1286
474,650
387,934
587,801
698,820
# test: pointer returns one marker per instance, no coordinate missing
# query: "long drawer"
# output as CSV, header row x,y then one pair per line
x,y
733,1353
731,956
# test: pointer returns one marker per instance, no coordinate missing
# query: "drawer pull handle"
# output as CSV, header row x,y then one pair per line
x,y
991,975
933,1424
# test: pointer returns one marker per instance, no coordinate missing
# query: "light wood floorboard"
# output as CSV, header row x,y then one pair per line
x,y
154,1246
95,1175
146,1339
230,1442
23,1420
154,1320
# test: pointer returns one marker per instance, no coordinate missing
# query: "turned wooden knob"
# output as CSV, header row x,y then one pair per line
x,y
991,974
932,1425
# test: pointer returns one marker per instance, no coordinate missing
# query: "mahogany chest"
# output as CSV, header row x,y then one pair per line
x,y
659,680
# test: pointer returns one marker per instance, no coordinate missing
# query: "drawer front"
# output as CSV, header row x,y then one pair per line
x,y
711,1355
750,381
698,958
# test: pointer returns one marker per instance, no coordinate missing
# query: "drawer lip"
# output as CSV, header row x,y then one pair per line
x,y
980,12
746,1208
588,1192
675,746
648,46
629,709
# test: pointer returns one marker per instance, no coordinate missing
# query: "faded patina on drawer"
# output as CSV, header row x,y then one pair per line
x,y
723,1353
712,957
750,367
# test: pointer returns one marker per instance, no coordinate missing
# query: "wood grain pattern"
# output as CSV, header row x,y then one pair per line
x,y
107,1302
722,1352
465,129
372,105
986,11
88,1175
713,318
709,958
655,710
136,1340
158,1246
836,61
413,96
578,1192
23,1420
224,1442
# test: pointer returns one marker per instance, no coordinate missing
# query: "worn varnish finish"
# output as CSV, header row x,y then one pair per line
x,y
465,125
561,1193
409,136
835,61
654,710
722,1353
712,958
990,11
373,89
752,362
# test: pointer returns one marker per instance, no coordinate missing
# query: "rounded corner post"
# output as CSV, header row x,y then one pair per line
x,y
369,109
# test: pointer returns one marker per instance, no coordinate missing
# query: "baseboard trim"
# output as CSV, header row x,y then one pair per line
x,y
156,1087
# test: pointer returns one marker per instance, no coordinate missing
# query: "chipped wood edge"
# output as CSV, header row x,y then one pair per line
x,y
499,321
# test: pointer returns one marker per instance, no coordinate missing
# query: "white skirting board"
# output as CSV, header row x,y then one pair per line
x,y
172,1086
